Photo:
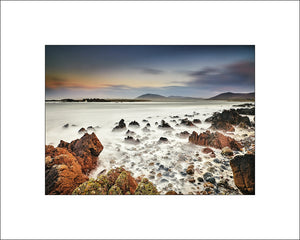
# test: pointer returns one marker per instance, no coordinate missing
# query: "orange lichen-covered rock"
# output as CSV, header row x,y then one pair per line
x,y
243,168
86,150
62,171
216,140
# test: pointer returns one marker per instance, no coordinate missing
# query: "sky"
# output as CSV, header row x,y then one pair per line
x,y
127,71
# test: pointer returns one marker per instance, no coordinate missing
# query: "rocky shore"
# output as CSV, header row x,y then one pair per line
x,y
217,159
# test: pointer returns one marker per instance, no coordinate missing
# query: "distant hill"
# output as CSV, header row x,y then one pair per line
x,y
150,96
234,96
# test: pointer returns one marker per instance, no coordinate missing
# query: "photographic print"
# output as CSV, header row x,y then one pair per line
x,y
150,119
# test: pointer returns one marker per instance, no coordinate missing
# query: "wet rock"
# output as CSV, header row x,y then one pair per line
x,y
82,130
187,123
207,150
148,125
229,116
243,125
174,117
163,139
216,140
171,193
191,180
121,126
207,175
211,180
159,175
183,134
131,140
216,160
188,115
63,173
224,126
86,150
183,174
66,125
164,124
244,105
226,151
243,168
156,123
246,111
200,179
190,170
144,120
145,129
196,120
130,133
164,180
134,124
90,128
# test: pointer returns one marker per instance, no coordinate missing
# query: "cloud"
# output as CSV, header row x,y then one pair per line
x,y
151,71
237,75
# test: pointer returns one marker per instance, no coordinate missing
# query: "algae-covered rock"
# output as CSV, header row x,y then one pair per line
x,y
90,187
145,187
115,190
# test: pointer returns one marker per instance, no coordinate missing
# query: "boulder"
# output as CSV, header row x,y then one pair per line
x,y
196,120
229,116
226,151
190,170
66,125
86,150
243,168
164,124
131,140
225,126
121,126
163,139
82,130
145,187
183,134
134,124
246,111
207,150
216,140
63,173
187,123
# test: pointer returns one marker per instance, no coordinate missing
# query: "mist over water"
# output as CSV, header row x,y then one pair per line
x,y
146,157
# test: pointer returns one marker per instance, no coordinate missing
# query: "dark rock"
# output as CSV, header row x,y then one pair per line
x,y
229,116
191,180
130,133
156,123
244,105
243,168
120,126
187,123
66,125
211,180
187,115
131,140
246,111
200,179
174,117
82,130
148,125
196,120
216,140
225,126
134,124
207,175
164,180
144,120
183,174
216,160
90,128
184,134
163,139
164,124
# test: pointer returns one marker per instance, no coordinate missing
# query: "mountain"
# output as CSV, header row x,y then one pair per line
x,y
151,96
234,96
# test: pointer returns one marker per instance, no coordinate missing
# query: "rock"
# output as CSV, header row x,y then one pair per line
x,y
187,123
171,193
243,168
188,115
207,175
174,116
216,160
190,170
226,151
211,180
134,124
216,140
164,180
244,105
148,125
163,139
90,128
164,124
191,180
131,140
184,134
225,126
82,130
145,129
146,188
208,184
159,175
229,116
130,133
66,125
120,126
86,150
144,120
246,111
156,123
200,179
243,125
63,173
196,120
207,150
